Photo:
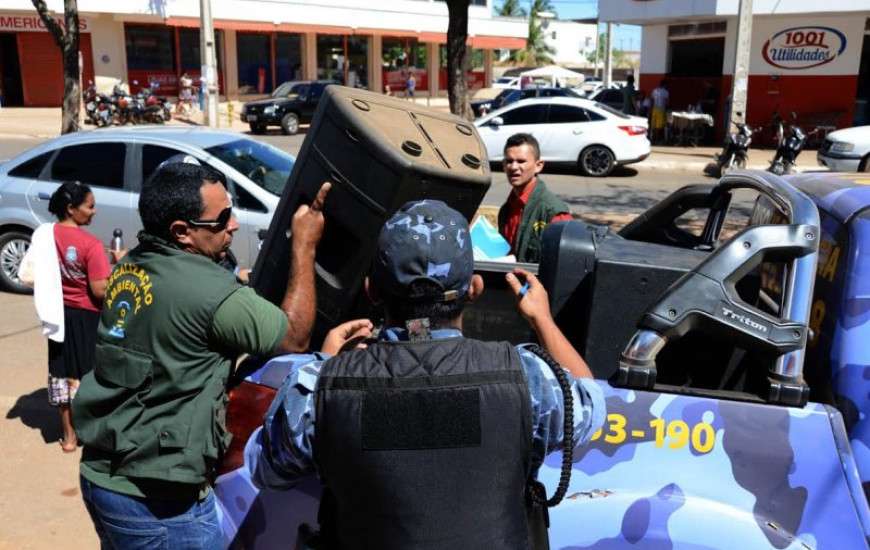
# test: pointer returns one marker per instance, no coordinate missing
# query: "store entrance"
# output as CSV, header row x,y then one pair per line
x,y
10,72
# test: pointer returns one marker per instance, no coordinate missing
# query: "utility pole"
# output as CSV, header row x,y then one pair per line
x,y
209,65
608,56
740,81
597,46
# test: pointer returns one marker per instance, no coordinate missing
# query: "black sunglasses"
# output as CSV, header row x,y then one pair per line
x,y
220,222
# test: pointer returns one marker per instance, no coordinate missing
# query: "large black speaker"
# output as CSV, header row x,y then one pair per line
x,y
379,152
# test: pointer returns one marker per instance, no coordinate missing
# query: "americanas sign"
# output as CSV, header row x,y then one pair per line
x,y
804,47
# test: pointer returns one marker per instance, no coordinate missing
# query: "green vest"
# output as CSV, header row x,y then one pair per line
x,y
539,210
153,408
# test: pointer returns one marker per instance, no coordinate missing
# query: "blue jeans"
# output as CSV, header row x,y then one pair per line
x,y
124,522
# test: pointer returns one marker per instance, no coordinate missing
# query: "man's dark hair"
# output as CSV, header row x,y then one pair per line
x,y
414,305
70,193
630,79
173,193
523,139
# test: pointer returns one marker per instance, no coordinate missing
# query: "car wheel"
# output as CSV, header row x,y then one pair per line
x,y
290,124
13,246
596,161
258,129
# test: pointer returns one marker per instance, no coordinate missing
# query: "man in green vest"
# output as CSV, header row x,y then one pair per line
x,y
530,206
151,414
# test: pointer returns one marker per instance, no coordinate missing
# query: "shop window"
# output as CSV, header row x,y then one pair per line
x,y
474,74
400,57
191,58
150,47
100,164
254,63
341,58
288,57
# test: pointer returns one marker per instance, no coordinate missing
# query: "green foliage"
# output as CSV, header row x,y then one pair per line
x,y
511,8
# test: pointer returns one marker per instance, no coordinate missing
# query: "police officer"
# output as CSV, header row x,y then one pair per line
x,y
426,439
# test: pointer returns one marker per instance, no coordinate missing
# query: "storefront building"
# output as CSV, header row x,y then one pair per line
x,y
807,57
260,44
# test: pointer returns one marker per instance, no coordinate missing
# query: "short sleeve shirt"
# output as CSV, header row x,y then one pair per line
x,y
247,322
82,259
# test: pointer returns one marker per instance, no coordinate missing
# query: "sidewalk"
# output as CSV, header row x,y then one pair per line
x,y
44,123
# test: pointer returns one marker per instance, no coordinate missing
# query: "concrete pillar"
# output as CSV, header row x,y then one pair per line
x,y
309,56
375,63
231,65
487,68
740,82
432,70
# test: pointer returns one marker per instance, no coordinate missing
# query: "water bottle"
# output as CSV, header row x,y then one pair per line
x,y
117,240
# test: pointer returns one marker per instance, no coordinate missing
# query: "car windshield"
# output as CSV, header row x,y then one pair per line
x,y
267,166
290,89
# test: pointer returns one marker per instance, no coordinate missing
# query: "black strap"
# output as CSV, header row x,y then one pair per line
x,y
539,495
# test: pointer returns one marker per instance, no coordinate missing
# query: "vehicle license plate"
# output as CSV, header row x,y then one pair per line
x,y
252,118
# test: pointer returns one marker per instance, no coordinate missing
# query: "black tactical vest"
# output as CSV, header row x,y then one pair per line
x,y
424,445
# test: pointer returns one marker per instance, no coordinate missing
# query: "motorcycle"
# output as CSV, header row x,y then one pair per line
x,y
98,108
128,109
790,146
734,150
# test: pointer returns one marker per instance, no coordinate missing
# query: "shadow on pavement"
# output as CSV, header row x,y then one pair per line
x,y
34,412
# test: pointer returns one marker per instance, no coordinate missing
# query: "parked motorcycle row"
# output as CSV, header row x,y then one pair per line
x,y
790,141
121,107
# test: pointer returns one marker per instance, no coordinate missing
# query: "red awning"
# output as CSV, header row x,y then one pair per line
x,y
497,42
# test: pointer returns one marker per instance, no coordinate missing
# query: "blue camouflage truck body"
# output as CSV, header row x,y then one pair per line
x,y
679,469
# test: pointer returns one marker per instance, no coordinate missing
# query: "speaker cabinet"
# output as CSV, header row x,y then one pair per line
x,y
379,152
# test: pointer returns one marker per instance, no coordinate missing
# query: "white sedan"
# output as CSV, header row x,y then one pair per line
x,y
846,150
593,135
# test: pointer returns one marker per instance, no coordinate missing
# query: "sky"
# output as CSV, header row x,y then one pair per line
x,y
625,37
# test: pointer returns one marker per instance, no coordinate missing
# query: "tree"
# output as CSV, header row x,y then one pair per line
x,y
67,39
537,51
457,60
511,8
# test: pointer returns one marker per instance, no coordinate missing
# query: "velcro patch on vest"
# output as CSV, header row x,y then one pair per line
x,y
421,419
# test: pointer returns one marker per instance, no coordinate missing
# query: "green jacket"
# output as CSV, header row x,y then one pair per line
x,y
151,413
539,210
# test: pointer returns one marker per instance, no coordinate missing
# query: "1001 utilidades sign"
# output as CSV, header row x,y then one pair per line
x,y
804,47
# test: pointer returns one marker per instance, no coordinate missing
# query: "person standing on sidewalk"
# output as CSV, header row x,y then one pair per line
x,y
70,275
658,118
151,414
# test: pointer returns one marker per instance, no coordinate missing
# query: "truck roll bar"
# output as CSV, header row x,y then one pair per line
x,y
706,298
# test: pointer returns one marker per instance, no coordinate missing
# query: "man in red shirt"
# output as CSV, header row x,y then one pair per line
x,y
530,206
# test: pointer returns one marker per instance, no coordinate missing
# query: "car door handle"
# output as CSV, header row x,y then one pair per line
x,y
578,132
43,196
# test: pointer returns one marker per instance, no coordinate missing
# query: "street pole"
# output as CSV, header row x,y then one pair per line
x,y
608,56
740,81
597,46
209,65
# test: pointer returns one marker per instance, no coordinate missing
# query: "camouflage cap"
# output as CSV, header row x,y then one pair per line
x,y
424,240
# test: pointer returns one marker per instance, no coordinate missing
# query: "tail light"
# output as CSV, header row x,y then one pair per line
x,y
248,405
633,130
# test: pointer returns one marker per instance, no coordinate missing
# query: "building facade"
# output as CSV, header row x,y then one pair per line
x,y
260,43
807,57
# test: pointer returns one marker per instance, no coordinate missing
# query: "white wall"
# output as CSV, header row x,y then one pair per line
x,y
654,49
107,38
636,12
572,41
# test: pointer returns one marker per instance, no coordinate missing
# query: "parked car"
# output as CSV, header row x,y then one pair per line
x,y
846,150
506,82
291,104
568,129
508,96
115,162
612,97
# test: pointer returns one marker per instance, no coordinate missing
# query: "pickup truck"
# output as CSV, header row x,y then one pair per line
x,y
733,356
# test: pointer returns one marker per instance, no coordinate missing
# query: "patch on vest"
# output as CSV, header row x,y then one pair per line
x,y
421,419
